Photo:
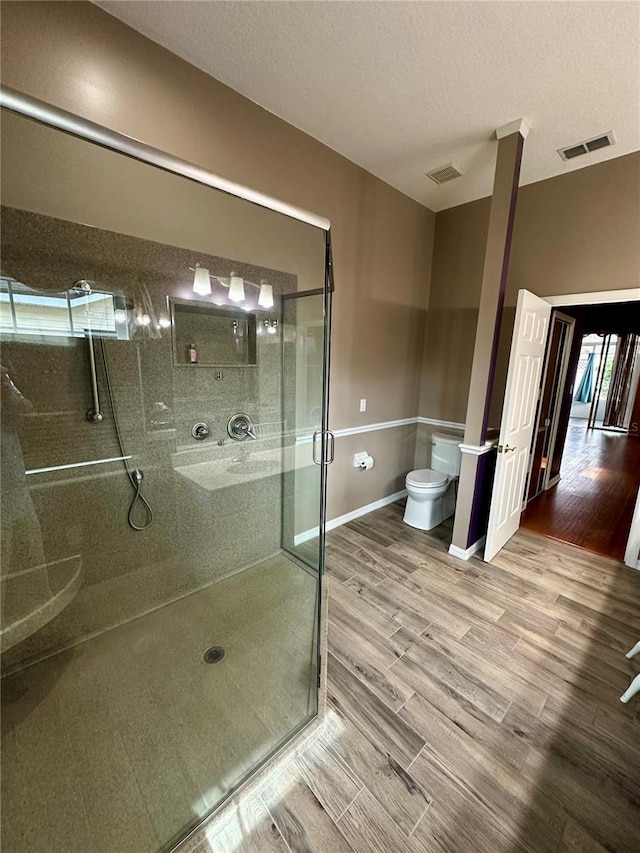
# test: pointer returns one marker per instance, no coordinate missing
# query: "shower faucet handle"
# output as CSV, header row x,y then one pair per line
x,y
200,431
240,427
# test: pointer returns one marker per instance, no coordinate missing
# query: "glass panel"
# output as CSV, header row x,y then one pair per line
x,y
303,330
159,635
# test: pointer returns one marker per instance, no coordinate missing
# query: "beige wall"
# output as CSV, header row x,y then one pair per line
x,y
574,233
77,57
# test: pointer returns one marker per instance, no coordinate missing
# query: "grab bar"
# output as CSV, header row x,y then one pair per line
x,y
94,415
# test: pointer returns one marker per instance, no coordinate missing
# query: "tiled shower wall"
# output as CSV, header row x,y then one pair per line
x,y
199,532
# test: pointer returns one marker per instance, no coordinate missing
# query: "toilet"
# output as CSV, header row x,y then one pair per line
x,y
432,491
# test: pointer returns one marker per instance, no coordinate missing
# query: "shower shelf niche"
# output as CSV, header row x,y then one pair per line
x,y
221,336
33,597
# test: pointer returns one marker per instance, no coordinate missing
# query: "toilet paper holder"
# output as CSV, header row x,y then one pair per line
x,y
363,461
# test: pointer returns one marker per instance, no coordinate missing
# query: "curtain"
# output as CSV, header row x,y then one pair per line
x,y
584,391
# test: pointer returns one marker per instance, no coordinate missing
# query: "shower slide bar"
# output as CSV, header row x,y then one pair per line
x,y
94,415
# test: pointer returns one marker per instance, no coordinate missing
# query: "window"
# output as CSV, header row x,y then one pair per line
x,y
34,313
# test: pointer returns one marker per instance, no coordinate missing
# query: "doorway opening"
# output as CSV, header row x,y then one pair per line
x,y
585,453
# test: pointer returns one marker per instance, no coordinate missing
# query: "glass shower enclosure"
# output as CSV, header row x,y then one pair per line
x,y
164,448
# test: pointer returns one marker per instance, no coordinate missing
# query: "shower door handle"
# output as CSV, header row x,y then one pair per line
x,y
331,444
331,447
314,439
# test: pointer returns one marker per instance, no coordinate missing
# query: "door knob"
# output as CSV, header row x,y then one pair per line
x,y
505,448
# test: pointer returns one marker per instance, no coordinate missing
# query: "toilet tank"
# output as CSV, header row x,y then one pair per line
x,y
445,453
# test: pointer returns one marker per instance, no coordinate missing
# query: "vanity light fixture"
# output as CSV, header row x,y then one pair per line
x,y
142,319
201,281
236,288
265,298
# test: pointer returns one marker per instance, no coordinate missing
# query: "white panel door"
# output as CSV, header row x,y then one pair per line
x,y
518,419
632,553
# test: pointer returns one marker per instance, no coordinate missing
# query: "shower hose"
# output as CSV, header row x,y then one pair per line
x,y
135,475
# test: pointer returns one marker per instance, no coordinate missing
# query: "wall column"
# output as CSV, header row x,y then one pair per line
x,y
478,456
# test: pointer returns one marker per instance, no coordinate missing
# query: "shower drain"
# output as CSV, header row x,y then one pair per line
x,y
213,655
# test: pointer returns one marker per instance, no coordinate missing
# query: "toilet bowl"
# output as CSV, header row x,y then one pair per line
x,y
432,491
431,498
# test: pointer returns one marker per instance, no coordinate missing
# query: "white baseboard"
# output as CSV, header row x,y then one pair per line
x,y
300,538
305,536
467,553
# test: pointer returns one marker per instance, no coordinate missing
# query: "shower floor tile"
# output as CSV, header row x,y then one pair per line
x,y
119,743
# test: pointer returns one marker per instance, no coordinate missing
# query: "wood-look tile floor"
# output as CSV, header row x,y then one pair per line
x,y
473,708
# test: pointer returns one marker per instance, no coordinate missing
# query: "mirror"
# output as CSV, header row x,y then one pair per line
x,y
206,335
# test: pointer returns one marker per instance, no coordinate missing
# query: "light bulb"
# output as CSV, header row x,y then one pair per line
x,y
265,299
163,321
236,288
120,315
142,319
201,281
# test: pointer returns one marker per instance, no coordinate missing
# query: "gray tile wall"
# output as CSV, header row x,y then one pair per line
x,y
198,534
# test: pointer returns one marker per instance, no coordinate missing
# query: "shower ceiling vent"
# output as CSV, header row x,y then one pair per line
x,y
604,140
445,173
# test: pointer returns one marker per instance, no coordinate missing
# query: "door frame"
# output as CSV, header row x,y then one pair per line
x,y
601,297
598,297
570,322
564,370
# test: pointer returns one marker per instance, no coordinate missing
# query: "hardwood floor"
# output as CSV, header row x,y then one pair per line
x,y
473,707
593,503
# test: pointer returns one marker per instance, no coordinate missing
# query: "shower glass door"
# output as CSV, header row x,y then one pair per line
x,y
164,371
304,322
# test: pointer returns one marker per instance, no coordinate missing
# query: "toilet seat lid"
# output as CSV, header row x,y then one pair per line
x,y
426,478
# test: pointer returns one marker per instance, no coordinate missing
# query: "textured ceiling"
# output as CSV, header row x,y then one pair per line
x,y
403,87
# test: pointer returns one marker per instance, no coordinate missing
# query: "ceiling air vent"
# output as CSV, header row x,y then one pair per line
x,y
445,173
589,145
